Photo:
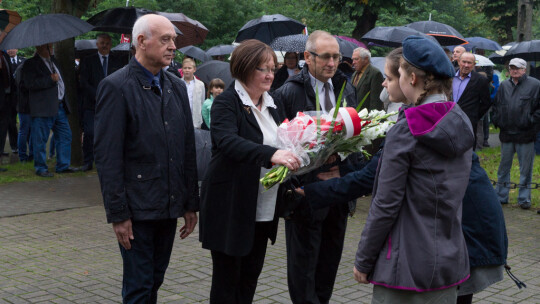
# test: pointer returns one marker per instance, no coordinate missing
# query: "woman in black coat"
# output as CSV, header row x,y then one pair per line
x,y
237,217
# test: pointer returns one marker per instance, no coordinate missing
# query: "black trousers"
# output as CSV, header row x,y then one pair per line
x,y
13,133
234,279
4,123
145,263
314,241
88,137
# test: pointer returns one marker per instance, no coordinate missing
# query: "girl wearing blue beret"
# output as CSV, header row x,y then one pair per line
x,y
412,248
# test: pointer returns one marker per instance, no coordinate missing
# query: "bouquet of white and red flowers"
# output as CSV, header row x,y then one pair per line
x,y
314,137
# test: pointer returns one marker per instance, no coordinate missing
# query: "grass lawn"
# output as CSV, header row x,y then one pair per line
x,y
24,172
490,159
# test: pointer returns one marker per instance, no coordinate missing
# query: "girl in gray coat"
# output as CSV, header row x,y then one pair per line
x,y
412,247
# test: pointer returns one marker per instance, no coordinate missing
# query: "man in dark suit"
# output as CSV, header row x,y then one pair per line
x,y
367,78
92,70
471,90
4,103
11,97
145,155
48,109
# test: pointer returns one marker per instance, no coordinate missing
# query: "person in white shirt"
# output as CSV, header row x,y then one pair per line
x,y
195,90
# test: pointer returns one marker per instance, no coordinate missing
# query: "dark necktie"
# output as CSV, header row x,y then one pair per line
x,y
104,66
13,61
327,102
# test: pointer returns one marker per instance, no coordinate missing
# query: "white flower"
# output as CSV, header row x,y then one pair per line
x,y
363,113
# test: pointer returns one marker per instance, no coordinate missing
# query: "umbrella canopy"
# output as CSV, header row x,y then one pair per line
x,y
193,32
379,63
290,43
214,69
358,43
195,52
482,43
45,29
8,20
222,49
122,47
482,61
496,58
85,47
392,36
526,50
269,27
117,20
346,47
445,34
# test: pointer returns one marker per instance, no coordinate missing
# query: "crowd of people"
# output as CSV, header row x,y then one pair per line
x,y
423,241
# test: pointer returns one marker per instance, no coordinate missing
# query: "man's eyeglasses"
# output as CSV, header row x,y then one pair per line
x,y
266,70
326,56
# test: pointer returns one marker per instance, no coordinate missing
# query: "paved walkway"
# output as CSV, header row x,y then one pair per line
x,y
55,247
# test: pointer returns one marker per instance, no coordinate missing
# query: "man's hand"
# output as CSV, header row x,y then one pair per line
x,y
190,218
300,191
55,77
124,233
332,173
360,277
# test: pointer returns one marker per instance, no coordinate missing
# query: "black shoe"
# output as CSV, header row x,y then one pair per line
x,y
5,153
538,211
44,174
3,169
86,167
14,151
525,206
486,144
504,203
69,170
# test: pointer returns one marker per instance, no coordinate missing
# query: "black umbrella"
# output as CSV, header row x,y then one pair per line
x,y
193,32
203,147
85,47
482,43
195,52
496,58
290,43
222,49
346,47
118,19
392,36
526,50
269,27
444,33
214,69
44,29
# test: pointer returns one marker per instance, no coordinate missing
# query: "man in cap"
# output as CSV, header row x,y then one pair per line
x,y
471,90
144,147
315,237
516,111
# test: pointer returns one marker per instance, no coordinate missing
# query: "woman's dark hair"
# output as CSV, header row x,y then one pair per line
x,y
215,83
248,56
432,83
393,59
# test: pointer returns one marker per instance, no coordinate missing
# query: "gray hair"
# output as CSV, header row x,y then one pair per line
x,y
312,39
141,27
363,52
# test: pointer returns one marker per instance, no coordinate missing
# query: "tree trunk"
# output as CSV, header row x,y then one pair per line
x,y
65,55
364,23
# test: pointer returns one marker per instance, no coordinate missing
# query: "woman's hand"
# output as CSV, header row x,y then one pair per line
x,y
360,277
287,159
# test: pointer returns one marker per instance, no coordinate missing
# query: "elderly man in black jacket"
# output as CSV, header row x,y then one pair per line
x,y
315,237
144,149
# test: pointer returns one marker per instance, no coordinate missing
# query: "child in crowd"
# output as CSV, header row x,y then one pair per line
x,y
215,88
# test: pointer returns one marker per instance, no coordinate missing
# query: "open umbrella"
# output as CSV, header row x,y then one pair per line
x,y
222,49
496,58
44,29
117,20
379,63
8,20
214,69
193,32
392,36
358,43
482,43
85,47
526,50
122,47
195,52
445,34
482,61
290,43
346,47
268,27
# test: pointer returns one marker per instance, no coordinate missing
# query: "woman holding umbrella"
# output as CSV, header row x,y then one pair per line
x,y
237,216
